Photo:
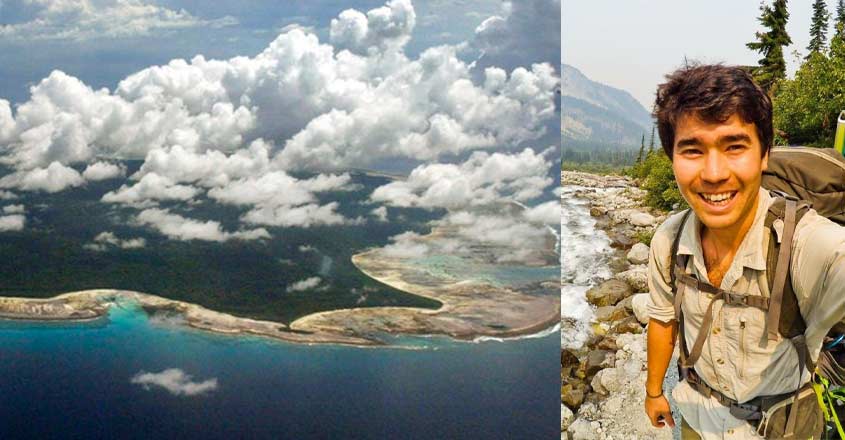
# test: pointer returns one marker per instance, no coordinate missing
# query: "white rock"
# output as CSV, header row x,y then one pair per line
x,y
639,303
597,384
638,254
641,219
610,380
566,417
581,429
636,277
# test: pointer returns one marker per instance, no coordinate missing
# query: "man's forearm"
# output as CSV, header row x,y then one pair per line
x,y
661,344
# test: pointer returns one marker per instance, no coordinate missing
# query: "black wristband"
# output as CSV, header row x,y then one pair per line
x,y
653,397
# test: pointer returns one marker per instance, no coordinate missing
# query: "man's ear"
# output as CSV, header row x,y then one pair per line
x,y
765,164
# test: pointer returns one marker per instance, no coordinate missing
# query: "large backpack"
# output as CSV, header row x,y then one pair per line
x,y
801,178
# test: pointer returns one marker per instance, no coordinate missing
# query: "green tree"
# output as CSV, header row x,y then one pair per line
x,y
651,141
818,28
839,24
772,67
642,147
806,107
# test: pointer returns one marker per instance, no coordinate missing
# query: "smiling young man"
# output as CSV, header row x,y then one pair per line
x,y
708,268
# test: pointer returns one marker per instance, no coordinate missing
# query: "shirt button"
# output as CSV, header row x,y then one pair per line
x,y
720,361
715,330
730,431
725,387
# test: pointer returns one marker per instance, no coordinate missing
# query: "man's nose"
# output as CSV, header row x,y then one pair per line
x,y
715,168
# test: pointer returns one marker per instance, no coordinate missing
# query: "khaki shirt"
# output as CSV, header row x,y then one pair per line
x,y
737,358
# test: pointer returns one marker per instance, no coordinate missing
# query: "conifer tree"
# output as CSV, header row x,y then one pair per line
x,y
642,147
772,66
839,23
651,142
818,28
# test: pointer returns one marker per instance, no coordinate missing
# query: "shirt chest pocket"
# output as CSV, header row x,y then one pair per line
x,y
746,340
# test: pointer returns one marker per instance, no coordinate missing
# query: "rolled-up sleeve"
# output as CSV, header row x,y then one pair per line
x,y
660,305
818,275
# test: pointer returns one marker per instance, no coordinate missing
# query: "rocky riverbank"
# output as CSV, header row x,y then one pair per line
x,y
602,382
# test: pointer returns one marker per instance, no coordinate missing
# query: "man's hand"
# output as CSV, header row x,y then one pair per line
x,y
657,409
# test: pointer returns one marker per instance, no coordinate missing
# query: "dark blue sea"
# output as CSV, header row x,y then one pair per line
x,y
75,381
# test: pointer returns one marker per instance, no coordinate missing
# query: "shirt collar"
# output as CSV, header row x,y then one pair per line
x,y
750,253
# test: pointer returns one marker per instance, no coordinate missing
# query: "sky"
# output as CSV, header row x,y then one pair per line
x,y
632,44
228,103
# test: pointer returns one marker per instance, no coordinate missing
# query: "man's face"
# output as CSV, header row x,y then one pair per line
x,y
718,168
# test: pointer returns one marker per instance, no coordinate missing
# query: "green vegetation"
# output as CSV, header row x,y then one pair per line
x,y
770,44
243,278
645,236
656,177
818,29
806,107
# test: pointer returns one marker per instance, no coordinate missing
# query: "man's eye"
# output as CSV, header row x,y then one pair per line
x,y
736,147
690,151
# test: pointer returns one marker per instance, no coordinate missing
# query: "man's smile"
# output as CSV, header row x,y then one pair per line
x,y
718,199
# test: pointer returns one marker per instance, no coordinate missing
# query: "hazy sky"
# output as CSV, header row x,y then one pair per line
x,y
631,44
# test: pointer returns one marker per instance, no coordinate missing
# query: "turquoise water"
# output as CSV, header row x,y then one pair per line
x,y
73,380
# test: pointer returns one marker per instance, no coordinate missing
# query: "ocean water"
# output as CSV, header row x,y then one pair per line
x,y
74,380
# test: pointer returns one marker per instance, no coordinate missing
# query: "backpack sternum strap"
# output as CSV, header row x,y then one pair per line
x,y
781,270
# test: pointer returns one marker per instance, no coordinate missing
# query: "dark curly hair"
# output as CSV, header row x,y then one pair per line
x,y
714,93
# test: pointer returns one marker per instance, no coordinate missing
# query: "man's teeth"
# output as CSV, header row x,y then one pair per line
x,y
716,198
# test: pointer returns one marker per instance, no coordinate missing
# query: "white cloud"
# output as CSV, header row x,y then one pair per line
x,y
548,213
14,209
380,213
7,195
527,32
303,285
12,222
107,239
56,177
302,216
176,381
103,171
386,28
151,187
484,178
406,245
518,241
327,108
176,227
86,19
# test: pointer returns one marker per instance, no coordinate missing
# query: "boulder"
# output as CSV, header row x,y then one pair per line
x,y
610,313
627,325
608,343
620,240
566,417
638,254
572,393
598,211
641,219
598,359
636,277
582,430
626,303
609,293
639,302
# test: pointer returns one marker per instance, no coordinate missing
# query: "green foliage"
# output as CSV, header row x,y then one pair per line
x,y
644,236
610,155
806,107
658,180
593,168
772,66
839,24
818,28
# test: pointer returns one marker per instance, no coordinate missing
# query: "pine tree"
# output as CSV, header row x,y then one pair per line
x,y
651,142
839,24
770,44
818,29
642,147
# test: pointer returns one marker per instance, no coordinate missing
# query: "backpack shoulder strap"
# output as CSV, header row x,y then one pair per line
x,y
678,263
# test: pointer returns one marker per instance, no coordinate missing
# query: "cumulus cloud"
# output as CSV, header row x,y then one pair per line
x,y
105,240
14,209
103,171
7,195
517,241
527,32
303,285
85,19
54,178
406,245
176,227
12,222
151,187
176,381
386,28
327,108
484,178
548,213
380,213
